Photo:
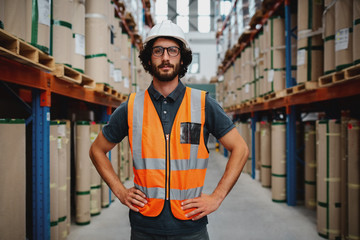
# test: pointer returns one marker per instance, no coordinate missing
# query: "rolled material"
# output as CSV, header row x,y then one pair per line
x,y
329,37
328,178
97,40
62,179
343,34
78,29
275,54
13,16
68,174
310,43
54,179
265,154
13,179
95,192
37,23
62,31
353,179
83,176
356,31
278,161
310,165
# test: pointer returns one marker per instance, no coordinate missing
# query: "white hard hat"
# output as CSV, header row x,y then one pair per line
x,y
166,29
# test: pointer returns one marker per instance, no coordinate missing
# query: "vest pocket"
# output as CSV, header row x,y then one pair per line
x,y
190,132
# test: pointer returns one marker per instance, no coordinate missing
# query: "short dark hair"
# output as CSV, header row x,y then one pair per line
x,y
185,54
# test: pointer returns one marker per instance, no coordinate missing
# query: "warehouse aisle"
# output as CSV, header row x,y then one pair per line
x,y
247,213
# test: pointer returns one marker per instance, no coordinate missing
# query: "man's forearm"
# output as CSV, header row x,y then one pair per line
x,y
236,162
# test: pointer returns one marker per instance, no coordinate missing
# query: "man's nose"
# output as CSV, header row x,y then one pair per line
x,y
165,55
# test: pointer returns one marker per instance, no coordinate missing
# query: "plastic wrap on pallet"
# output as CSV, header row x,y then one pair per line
x,y
12,169
310,165
343,34
310,44
353,179
62,40
356,31
328,178
278,161
78,30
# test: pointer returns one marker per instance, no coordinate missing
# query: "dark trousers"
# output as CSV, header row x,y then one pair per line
x,y
199,235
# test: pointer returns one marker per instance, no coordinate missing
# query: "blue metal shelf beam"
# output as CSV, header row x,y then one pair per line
x,y
290,118
40,169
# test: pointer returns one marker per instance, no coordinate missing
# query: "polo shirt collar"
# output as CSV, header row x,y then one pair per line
x,y
174,95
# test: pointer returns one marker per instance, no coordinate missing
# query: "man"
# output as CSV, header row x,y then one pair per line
x,y
168,127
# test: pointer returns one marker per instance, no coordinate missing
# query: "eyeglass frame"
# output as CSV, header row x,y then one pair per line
x,y
163,51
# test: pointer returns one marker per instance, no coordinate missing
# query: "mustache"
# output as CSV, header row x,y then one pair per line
x,y
165,65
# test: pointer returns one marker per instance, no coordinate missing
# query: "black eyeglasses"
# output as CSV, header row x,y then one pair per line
x,y
159,51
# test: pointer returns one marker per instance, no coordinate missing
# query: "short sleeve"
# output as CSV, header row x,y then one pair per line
x,y
117,128
216,120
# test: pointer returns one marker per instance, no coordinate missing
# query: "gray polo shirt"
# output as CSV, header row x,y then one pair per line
x,y
216,122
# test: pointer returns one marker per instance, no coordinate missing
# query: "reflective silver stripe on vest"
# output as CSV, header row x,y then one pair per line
x,y
185,164
158,193
176,194
195,118
150,163
138,115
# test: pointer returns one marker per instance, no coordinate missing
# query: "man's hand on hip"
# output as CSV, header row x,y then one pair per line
x,y
204,205
133,197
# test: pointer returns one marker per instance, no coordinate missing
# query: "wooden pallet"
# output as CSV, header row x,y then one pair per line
x,y
103,88
122,97
66,73
352,72
87,82
305,86
275,95
16,49
257,100
331,78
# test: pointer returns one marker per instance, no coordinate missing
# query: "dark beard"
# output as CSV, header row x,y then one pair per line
x,y
165,77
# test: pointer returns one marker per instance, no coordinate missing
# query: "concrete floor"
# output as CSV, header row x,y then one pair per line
x,y
247,213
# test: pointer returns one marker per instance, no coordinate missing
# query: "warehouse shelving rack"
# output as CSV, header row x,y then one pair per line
x,y
39,86
42,85
293,103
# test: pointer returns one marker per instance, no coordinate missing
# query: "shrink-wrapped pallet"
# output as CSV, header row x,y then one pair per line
x,y
12,169
328,178
278,161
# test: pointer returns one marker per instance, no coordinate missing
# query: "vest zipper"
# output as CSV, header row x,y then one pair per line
x,y
167,181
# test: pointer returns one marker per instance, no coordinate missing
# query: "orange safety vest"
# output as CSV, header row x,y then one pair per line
x,y
171,166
